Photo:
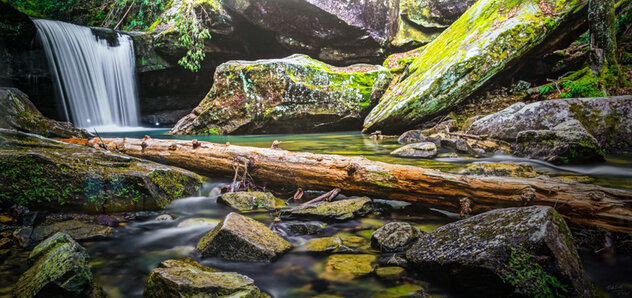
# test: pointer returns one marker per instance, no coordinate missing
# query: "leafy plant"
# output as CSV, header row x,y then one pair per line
x,y
191,37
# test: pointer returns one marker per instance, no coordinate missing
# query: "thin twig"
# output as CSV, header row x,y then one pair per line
x,y
326,197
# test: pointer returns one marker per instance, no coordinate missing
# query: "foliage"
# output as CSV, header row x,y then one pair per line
x,y
191,37
587,86
525,273
53,9
134,14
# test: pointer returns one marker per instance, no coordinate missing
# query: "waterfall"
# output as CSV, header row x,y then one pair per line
x,y
95,81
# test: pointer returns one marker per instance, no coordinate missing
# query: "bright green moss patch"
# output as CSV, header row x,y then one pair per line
x,y
525,273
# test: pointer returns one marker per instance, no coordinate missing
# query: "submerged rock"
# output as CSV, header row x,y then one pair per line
x,y
74,228
293,94
251,200
60,268
188,278
499,169
240,238
405,290
487,39
198,221
390,273
43,173
395,236
348,266
525,251
606,118
17,112
417,150
338,210
568,142
339,243
300,227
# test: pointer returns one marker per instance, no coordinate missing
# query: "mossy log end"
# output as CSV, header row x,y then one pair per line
x,y
583,204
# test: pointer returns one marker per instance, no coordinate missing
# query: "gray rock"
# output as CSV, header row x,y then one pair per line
x,y
417,150
240,238
251,200
164,217
525,251
300,227
337,210
395,236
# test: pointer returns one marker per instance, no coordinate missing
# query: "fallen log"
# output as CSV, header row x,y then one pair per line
x,y
584,204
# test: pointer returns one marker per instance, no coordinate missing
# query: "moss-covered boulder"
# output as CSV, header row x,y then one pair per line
x,y
608,119
17,112
417,150
348,266
487,39
76,229
251,200
240,238
336,211
188,278
525,251
566,143
293,94
42,173
60,269
339,243
499,169
395,236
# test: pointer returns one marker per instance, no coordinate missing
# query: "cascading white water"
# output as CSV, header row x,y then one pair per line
x,y
95,82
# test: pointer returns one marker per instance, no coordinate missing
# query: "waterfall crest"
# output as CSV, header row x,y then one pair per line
x,y
95,82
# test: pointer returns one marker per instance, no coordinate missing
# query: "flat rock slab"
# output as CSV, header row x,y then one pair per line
x,y
76,229
417,150
348,266
240,238
337,211
515,251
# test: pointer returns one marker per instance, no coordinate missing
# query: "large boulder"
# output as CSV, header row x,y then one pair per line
x,y
60,269
526,251
333,211
188,278
490,37
43,173
606,118
240,238
17,112
294,94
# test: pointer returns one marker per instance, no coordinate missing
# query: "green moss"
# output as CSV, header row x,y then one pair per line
x,y
527,275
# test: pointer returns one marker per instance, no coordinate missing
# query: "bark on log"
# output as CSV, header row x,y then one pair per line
x,y
584,204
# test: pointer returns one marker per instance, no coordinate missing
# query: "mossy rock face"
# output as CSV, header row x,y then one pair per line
x,y
608,119
240,238
43,173
395,236
188,280
289,95
332,211
499,169
60,269
487,39
251,200
434,13
348,266
417,150
566,143
526,251
339,243
74,228
18,112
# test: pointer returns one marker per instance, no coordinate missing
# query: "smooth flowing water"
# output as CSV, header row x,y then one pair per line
x,y
95,81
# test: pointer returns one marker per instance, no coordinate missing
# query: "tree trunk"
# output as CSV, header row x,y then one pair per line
x,y
580,203
601,19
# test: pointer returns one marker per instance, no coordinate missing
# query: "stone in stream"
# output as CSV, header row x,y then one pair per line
x,y
76,229
198,221
300,227
526,251
239,238
47,174
293,94
490,37
417,150
348,266
188,278
251,200
395,236
60,268
390,273
337,210
405,290
339,243
568,142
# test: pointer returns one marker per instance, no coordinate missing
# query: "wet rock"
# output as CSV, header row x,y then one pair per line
x,y
293,94
339,243
23,236
337,210
19,113
499,169
43,173
405,290
164,217
107,220
240,238
417,150
390,273
348,266
525,251
188,278
568,142
76,229
60,268
395,236
300,227
466,56
251,200
605,118
198,221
